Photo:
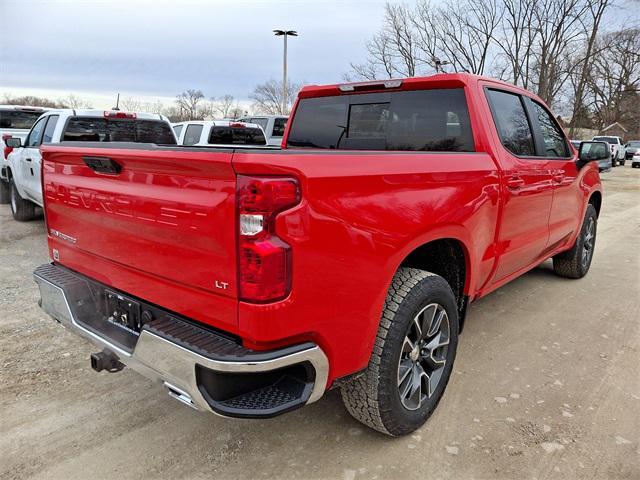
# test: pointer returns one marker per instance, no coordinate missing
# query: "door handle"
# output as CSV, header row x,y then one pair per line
x,y
558,176
103,165
28,159
515,182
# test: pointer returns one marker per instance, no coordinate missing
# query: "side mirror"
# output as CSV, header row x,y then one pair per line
x,y
13,142
592,151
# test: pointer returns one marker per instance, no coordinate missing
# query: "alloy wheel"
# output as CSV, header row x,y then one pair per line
x,y
423,356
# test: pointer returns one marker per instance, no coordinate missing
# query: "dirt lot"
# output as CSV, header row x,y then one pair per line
x,y
546,385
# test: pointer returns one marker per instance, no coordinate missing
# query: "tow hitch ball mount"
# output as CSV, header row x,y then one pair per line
x,y
106,360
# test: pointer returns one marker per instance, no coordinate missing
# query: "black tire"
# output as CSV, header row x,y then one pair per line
x,y
575,263
375,398
622,162
5,192
21,209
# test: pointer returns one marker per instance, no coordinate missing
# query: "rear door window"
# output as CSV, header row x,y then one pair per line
x,y
279,125
511,122
49,129
424,120
236,136
555,144
88,129
192,134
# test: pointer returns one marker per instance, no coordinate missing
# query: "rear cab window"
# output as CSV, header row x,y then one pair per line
x,y
94,129
21,120
236,135
433,120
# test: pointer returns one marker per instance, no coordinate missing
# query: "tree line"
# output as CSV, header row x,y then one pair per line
x,y
559,49
192,104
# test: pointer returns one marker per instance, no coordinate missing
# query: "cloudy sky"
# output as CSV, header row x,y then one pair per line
x,y
158,48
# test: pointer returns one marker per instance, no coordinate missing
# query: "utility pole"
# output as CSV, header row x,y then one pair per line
x,y
285,34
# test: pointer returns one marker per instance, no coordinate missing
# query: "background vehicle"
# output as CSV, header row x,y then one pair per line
x,y
273,126
219,133
54,126
249,281
631,148
635,160
617,149
15,121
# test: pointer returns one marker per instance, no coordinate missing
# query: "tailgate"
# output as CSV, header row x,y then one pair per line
x,y
162,228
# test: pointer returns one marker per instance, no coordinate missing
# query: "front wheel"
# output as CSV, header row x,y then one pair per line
x,y
575,263
412,357
21,209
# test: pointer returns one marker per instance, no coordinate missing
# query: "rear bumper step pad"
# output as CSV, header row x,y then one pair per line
x,y
199,367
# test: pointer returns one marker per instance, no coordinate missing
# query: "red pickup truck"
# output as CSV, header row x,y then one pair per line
x,y
249,281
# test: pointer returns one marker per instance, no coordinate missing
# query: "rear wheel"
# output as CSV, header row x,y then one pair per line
x,y
412,357
575,263
22,210
5,192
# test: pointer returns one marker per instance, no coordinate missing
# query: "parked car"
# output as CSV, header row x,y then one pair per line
x,y
221,133
273,126
631,148
248,282
617,149
635,160
15,121
68,125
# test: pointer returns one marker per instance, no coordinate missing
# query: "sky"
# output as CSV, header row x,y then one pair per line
x,y
157,49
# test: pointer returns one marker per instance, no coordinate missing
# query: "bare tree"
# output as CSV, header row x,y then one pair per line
x,y
188,102
32,101
131,104
267,97
517,33
614,75
425,37
222,106
73,101
597,9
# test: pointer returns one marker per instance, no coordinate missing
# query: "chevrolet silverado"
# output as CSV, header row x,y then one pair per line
x,y
248,282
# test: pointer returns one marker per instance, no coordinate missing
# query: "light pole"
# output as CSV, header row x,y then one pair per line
x,y
285,34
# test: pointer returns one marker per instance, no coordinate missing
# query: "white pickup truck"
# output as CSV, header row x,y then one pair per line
x,y
15,121
273,126
617,148
68,125
219,133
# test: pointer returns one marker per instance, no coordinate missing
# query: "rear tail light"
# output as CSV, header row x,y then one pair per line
x,y
265,261
237,125
116,114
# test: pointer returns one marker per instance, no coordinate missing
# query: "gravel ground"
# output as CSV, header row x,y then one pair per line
x,y
546,385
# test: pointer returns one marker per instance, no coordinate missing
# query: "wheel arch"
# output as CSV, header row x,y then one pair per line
x,y
595,199
449,257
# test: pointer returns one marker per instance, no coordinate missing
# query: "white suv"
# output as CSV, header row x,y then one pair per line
x,y
15,121
55,126
617,148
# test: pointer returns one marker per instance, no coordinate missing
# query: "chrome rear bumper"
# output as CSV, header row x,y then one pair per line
x,y
170,362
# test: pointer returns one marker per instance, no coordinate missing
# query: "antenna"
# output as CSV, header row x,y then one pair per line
x,y
439,64
117,107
